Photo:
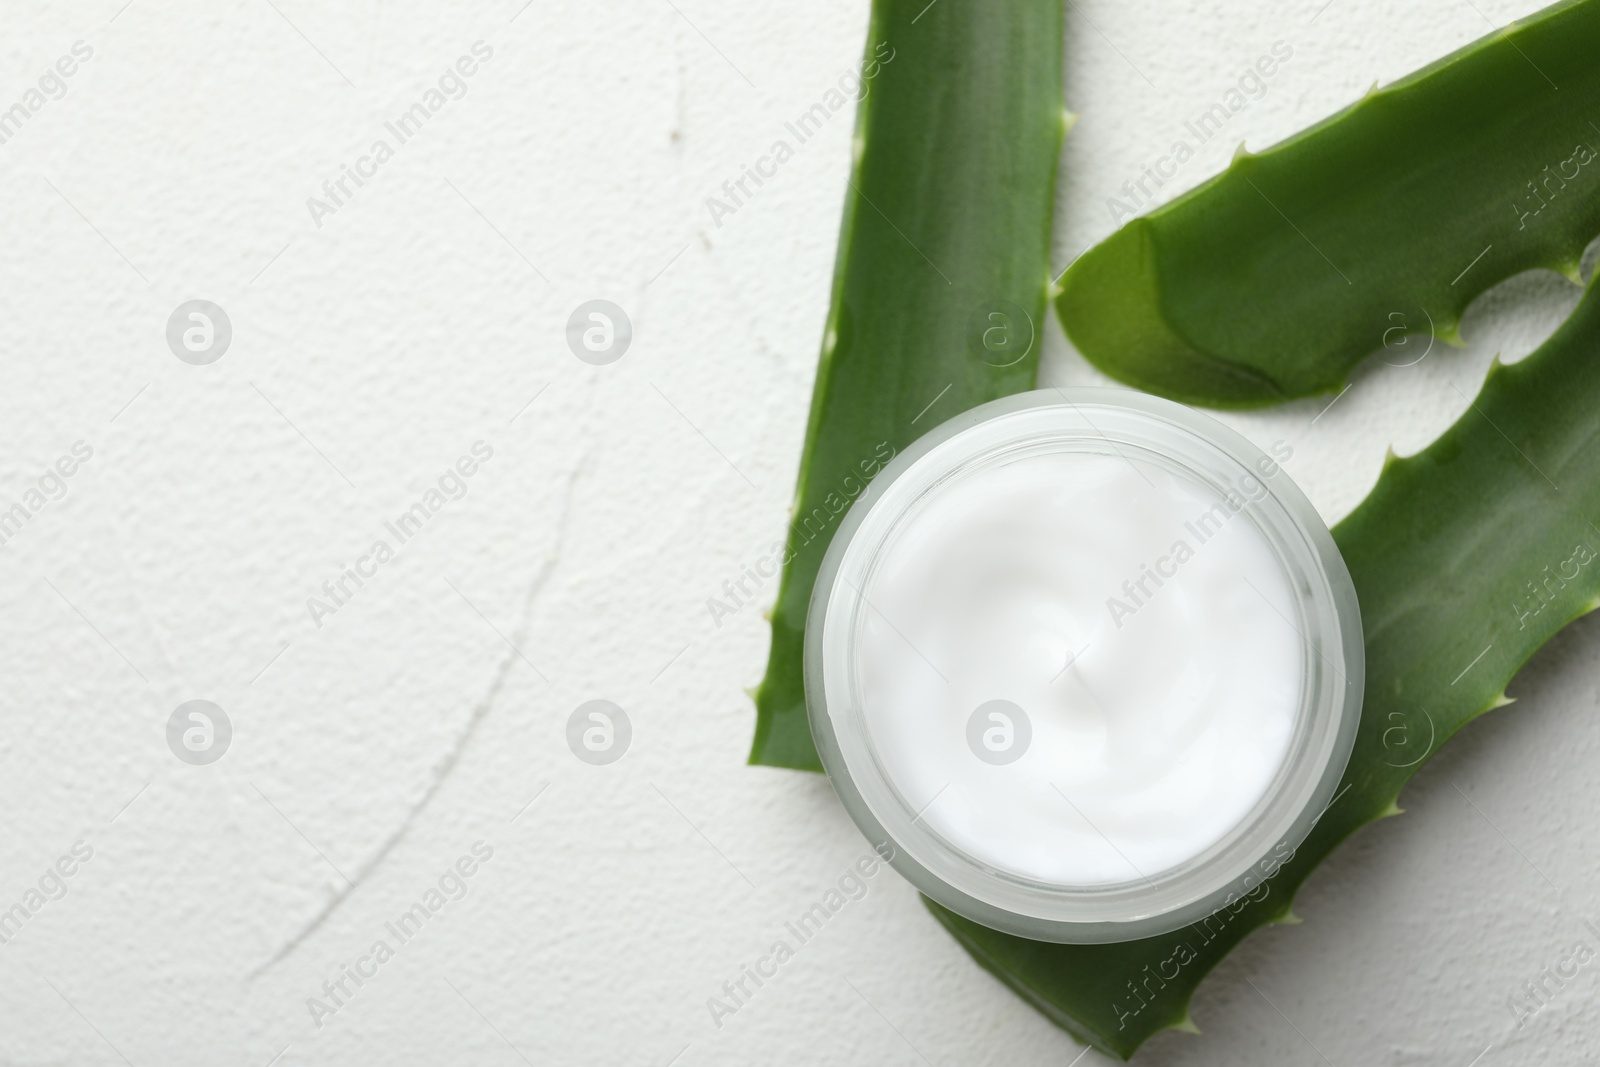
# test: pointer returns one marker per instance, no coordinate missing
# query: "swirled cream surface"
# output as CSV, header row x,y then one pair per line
x,y
1081,669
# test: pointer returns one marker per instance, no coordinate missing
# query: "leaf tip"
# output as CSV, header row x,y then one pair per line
x,y
1186,1024
1285,915
1450,334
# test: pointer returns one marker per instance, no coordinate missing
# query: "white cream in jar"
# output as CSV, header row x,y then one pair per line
x,y
1082,658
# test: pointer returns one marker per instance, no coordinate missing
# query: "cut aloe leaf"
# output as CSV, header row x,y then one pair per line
x,y
940,281
1467,557
1275,278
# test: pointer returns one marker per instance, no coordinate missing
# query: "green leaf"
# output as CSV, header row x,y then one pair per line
x,y
946,222
1275,278
1466,558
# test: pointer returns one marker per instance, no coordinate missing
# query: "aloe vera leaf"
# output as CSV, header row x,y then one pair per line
x,y
946,224
1275,278
1467,557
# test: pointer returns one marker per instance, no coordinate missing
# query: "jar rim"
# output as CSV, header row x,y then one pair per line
x,y
1328,623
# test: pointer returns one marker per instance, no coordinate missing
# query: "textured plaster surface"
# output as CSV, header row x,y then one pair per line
x,y
374,345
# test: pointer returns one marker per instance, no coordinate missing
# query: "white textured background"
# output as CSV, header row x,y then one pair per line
x,y
370,352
